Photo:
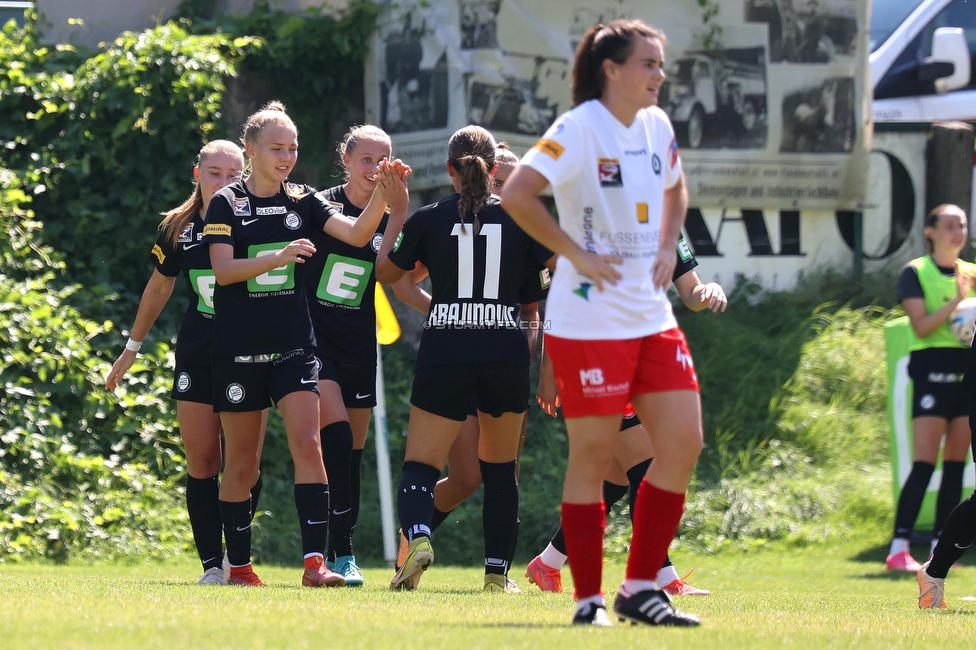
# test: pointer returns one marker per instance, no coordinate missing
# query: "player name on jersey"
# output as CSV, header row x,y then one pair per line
x,y
473,315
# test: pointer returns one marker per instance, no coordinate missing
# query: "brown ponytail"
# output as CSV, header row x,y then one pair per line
x,y
175,220
471,153
614,41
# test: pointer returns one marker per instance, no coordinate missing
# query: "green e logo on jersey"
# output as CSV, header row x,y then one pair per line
x,y
399,240
344,280
683,251
203,281
277,279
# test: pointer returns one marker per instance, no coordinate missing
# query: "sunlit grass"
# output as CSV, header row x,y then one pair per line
x,y
820,597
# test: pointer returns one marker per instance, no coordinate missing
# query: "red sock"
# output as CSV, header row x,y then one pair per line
x,y
656,517
583,526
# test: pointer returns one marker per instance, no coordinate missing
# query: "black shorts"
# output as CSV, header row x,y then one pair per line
x,y
252,383
449,390
357,383
193,382
629,422
938,389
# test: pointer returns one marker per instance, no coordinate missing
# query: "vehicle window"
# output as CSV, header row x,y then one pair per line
x,y
886,16
959,13
901,80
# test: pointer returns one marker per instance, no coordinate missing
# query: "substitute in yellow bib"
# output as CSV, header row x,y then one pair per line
x,y
930,288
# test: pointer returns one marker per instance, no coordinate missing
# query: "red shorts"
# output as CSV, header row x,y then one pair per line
x,y
599,377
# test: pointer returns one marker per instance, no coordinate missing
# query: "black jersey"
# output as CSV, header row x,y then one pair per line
x,y
475,279
686,260
341,283
269,313
191,258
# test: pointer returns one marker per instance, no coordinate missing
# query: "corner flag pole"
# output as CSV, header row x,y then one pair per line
x,y
387,331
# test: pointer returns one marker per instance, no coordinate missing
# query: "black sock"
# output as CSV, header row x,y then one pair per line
x,y
355,478
256,494
910,501
203,506
957,536
499,514
612,493
635,475
511,555
312,504
337,454
415,498
438,518
950,492
237,531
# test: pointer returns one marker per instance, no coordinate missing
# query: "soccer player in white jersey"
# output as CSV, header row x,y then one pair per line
x,y
613,165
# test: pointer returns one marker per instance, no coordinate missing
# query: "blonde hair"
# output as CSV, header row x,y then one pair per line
x,y
176,220
350,141
272,113
471,153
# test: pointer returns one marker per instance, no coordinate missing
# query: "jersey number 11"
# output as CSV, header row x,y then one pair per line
x,y
492,232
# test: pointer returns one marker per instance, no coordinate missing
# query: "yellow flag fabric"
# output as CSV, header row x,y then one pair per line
x,y
387,327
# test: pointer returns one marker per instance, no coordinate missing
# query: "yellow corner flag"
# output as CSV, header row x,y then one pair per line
x,y
387,327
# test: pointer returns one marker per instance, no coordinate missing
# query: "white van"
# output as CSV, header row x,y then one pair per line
x,y
921,60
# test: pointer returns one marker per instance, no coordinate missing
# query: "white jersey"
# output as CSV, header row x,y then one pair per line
x,y
609,181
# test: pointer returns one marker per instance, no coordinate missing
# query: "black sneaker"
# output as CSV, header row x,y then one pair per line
x,y
592,615
652,607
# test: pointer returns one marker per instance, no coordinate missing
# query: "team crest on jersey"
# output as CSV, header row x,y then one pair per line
x,y
187,235
673,152
656,165
376,242
293,221
609,171
268,211
242,207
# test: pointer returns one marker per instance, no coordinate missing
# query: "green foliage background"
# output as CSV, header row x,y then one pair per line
x,y
94,145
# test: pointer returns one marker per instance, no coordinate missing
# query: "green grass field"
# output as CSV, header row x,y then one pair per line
x,y
814,598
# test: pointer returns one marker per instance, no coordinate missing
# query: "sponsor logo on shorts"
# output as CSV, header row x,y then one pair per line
x,y
655,164
358,396
158,252
550,147
235,393
274,209
684,359
591,377
376,242
242,207
183,382
927,402
217,229
293,221
608,171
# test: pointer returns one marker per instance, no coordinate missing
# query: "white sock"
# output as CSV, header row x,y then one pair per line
x,y
667,575
898,545
553,558
631,587
596,600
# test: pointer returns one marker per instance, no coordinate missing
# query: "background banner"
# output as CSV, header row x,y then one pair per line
x,y
772,110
